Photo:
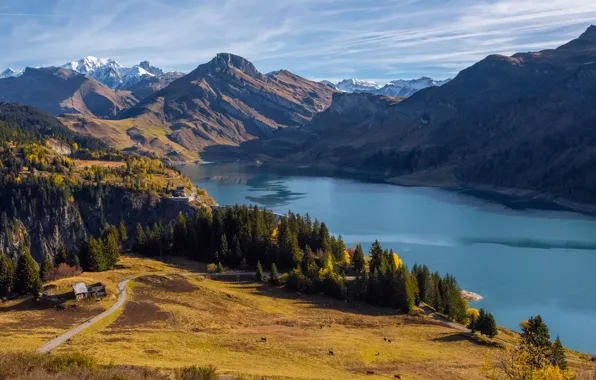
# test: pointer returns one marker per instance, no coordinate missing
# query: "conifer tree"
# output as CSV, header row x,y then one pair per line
x,y
76,262
111,248
61,256
224,251
376,257
358,260
123,232
180,234
140,240
274,278
490,326
46,267
7,273
27,275
557,356
260,276
535,332
220,268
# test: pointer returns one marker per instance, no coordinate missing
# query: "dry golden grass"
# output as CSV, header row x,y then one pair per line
x,y
179,319
174,318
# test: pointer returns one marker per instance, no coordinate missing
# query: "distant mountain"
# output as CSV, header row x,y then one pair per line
x,y
406,88
398,88
58,90
227,101
113,74
523,124
10,73
149,84
357,85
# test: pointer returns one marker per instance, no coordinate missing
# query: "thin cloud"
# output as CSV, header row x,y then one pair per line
x,y
314,38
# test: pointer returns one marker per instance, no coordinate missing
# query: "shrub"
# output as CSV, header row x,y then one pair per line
x,y
220,268
197,373
62,271
64,362
274,277
296,280
212,268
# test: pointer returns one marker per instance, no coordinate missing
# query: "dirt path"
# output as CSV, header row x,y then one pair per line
x,y
119,302
69,334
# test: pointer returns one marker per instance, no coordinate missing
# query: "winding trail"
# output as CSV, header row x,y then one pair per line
x,y
69,334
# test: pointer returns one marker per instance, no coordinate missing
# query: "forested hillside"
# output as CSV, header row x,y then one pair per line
x,y
57,188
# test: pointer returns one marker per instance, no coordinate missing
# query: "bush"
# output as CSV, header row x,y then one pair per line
x,y
62,271
64,362
220,268
212,268
296,280
197,373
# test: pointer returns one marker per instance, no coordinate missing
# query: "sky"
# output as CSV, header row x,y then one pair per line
x,y
378,40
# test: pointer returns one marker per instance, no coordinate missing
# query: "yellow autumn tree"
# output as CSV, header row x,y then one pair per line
x,y
347,257
522,363
473,313
398,262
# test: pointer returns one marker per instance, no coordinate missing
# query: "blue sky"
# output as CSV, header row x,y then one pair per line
x,y
318,39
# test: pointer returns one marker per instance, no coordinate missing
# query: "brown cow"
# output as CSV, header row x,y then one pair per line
x,y
398,377
331,352
263,339
370,372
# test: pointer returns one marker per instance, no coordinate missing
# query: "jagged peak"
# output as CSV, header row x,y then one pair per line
x,y
227,60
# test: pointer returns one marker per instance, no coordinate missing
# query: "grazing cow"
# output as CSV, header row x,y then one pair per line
x,y
389,340
370,372
263,339
331,353
385,339
378,354
398,377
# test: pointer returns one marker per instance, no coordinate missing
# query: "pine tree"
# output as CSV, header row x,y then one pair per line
x,y
220,268
76,262
274,278
223,251
376,257
260,276
140,240
46,267
557,356
111,248
27,275
61,256
358,260
7,273
180,235
490,329
94,260
122,231
535,332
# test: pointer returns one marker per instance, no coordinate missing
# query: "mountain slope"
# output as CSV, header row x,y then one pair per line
x,y
59,91
227,101
524,122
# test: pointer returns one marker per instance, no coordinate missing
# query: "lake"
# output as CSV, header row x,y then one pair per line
x,y
523,262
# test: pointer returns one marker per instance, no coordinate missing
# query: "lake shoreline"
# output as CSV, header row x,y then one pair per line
x,y
514,198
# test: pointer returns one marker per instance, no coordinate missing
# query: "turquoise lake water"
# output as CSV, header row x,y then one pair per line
x,y
523,262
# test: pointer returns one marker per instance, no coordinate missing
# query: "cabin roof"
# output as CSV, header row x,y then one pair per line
x,y
79,288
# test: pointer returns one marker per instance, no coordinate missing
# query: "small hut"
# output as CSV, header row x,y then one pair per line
x,y
80,290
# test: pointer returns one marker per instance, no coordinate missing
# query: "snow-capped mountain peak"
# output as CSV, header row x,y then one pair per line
x,y
357,85
111,73
9,73
399,88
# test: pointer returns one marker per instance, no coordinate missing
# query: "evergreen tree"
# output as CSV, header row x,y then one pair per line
x,y
111,248
180,235
46,267
376,257
61,256
7,273
358,260
27,275
490,328
220,268
274,278
122,231
260,276
76,262
223,251
92,256
140,240
535,332
557,356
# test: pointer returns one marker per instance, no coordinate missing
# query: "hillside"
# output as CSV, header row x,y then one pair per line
x,y
58,188
523,122
58,91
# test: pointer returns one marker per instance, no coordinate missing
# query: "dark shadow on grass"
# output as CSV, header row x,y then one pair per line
x,y
466,337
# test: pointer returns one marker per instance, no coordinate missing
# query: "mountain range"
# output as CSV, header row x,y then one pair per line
x,y
398,88
507,122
